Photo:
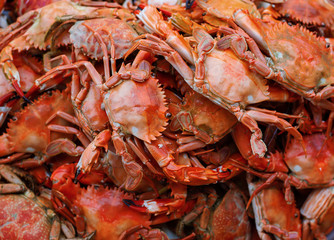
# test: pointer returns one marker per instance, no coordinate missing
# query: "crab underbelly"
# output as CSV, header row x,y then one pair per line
x,y
231,80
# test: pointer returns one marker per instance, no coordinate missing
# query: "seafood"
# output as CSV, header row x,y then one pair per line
x,y
225,102
99,209
23,214
313,80
219,218
23,139
267,207
318,213
204,82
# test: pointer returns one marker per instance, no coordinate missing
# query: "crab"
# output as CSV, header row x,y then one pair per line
x,y
100,154
21,70
317,211
318,13
34,25
224,10
198,115
87,35
29,31
24,215
212,56
273,215
93,38
99,209
214,217
311,167
309,73
28,134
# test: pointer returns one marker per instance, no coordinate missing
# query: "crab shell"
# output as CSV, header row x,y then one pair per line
x,y
225,73
139,108
317,166
314,12
303,57
229,219
36,33
225,9
27,131
206,116
23,218
106,213
110,29
270,207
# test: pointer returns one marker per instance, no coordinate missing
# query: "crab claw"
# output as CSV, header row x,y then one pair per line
x,y
156,206
92,153
183,174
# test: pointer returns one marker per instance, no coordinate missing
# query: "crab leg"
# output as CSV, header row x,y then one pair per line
x,y
157,46
142,156
69,211
162,206
133,169
181,173
153,20
273,163
278,122
16,28
93,151
10,70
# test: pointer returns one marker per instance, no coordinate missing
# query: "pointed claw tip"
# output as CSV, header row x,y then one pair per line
x,y
129,203
26,99
77,173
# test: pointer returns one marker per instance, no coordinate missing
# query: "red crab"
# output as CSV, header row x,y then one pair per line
x,y
219,218
307,73
273,215
99,209
23,215
28,134
225,90
309,168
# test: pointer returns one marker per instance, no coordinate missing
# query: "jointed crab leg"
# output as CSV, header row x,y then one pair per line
x,y
16,28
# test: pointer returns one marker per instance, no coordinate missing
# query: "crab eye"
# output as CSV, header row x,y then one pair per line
x,y
168,115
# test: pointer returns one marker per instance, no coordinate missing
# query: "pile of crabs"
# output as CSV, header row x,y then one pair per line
x,y
203,119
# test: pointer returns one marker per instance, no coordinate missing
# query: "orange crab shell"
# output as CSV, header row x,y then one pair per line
x,y
208,116
28,132
317,166
229,220
314,12
225,9
243,86
47,15
110,29
22,218
138,107
307,69
106,213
